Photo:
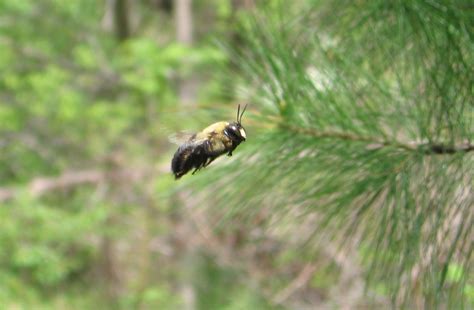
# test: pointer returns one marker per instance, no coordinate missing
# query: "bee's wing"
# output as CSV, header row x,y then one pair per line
x,y
181,137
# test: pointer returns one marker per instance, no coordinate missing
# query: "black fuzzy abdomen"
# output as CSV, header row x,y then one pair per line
x,y
188,157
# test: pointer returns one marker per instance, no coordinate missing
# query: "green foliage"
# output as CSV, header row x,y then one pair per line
x,y
73,98
223,289
44,245
354,108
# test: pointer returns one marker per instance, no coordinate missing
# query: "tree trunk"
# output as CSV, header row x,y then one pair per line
x,y
187,86
121,19
184,21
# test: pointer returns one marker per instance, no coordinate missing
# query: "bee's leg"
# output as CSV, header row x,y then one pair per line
x,y
210,160
231,150
198,168
201,165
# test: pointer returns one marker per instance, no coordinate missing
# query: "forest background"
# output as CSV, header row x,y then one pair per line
x,y
354,189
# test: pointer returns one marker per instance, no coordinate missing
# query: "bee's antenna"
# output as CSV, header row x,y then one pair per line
x,y
238,112
241,114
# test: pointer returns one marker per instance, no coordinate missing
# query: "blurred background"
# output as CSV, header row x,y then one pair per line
x,y
354,189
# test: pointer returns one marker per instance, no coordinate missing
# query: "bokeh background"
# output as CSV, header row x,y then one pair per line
x,y
354,189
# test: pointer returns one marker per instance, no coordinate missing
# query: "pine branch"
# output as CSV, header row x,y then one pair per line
x,y
377,143
371,67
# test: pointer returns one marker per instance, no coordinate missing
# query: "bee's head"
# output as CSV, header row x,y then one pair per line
x,y
235,131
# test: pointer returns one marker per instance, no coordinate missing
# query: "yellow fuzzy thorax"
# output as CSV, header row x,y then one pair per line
x,y
214,129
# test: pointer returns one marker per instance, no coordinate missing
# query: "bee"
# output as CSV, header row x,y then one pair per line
x,y
204,147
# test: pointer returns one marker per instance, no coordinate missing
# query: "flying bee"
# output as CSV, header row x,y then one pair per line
x,y
203,147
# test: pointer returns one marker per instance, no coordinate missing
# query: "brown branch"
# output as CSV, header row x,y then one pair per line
x,y
376,143
300,281
445,149
42,185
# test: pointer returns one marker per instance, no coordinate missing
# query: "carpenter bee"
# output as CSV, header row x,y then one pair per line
x,y
203,147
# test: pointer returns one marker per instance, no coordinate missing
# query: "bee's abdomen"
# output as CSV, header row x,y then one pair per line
x,y
187,157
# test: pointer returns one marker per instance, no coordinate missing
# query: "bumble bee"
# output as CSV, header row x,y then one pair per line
x,y
202,148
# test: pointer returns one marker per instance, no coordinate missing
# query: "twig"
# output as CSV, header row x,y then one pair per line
x,y
301,280
376,143
42,185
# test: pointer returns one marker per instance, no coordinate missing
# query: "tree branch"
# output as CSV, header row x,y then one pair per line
x,y
300,281
42,185
376,143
